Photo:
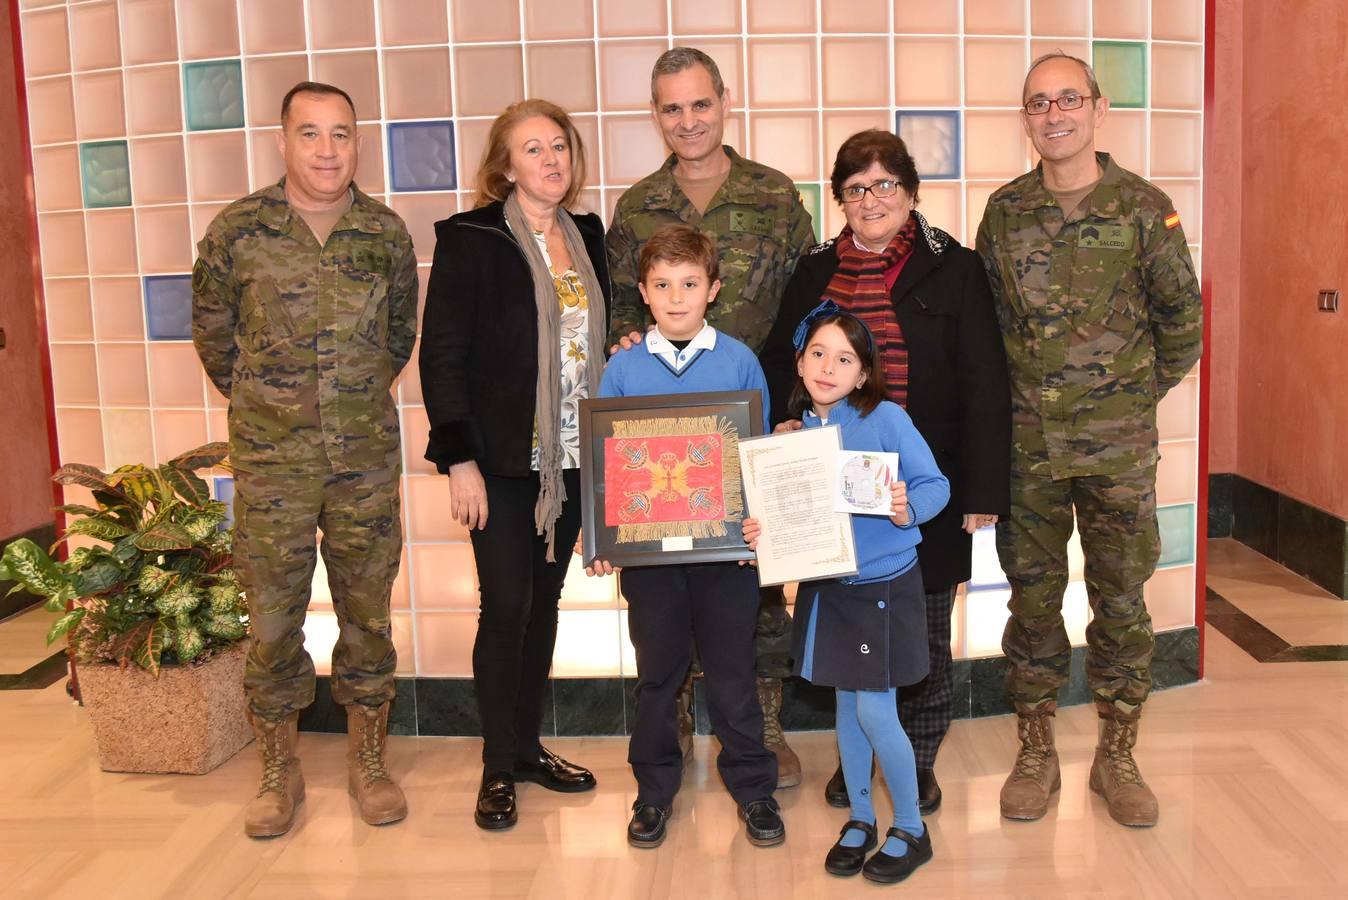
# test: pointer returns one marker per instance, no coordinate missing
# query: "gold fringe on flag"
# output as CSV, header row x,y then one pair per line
x,y
731,492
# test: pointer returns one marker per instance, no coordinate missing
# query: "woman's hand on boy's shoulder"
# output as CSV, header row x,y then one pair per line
x,y
900,513
628,341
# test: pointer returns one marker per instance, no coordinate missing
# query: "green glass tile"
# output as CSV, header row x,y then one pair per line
x,y
106,173
214,94
1177,534
810,195
1121,68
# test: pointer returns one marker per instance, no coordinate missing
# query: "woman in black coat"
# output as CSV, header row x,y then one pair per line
x,y
512,340
939,320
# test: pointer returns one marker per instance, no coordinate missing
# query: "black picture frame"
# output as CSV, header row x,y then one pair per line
x,y
741,409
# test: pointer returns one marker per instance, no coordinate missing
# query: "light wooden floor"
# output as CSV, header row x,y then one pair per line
x,y
1250,767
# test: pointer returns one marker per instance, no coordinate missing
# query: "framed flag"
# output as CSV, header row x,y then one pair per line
x,y
660,477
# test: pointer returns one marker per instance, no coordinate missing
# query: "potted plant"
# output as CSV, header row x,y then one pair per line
x,y
154,615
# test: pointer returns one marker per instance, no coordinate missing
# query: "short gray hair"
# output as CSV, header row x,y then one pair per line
x,y
679,59
1058,54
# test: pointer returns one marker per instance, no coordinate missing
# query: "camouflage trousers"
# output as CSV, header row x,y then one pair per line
x,y
276,517
1116,518
772,634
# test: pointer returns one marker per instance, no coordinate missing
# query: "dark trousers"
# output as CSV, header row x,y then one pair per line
x,y
925,707
517,627
716,605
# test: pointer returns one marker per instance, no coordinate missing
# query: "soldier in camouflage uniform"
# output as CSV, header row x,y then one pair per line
x,y
1101,315
754,216
304,311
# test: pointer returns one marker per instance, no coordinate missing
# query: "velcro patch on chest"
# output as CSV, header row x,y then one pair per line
x,y
1105,237
744,220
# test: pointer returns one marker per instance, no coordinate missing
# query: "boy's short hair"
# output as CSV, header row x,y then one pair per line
x,y
679,243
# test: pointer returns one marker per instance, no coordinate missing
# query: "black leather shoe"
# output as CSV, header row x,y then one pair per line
x,y
763,822
647,828
928,792
849,860
496,802
835,792
888,869
554,773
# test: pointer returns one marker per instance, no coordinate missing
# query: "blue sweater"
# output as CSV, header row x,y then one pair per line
x,y
884,549
729,366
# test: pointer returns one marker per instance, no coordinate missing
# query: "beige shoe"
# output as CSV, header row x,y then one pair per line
x,y
1114,773
788,764
1035,775
684,711
272,812
380,800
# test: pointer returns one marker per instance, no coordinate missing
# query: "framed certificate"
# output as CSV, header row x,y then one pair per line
x,y
790,484
660,477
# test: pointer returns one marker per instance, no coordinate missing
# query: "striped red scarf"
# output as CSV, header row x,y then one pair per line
x,y
861,286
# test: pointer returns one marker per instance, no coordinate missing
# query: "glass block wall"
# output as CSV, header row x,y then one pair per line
x,y
148,116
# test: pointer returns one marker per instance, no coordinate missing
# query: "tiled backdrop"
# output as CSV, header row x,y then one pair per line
x,y
148,116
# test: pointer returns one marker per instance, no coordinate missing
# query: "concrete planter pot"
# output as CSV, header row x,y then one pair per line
x,y
187,721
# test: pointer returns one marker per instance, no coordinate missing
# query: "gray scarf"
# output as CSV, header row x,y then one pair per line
x,y
547,390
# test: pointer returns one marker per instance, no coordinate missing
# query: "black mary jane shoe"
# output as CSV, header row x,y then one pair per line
x,y
928,792
763,822
835,792
647,828
554,773
496,802
888,869
849,860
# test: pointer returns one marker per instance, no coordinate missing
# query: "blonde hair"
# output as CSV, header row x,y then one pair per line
x,y
492,183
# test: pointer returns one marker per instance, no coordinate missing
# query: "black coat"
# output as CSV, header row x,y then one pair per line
x,y
958,394
479,339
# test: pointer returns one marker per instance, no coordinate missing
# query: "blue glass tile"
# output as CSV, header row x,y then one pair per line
x,y
105,171
224,492
213,92
811,196
421,156
933,139
1121,68
168,307
1177,534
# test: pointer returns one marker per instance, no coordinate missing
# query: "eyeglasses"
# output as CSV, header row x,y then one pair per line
x,y
1067,102
855,193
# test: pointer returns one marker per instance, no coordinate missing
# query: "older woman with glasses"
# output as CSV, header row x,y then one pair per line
x,y
927,301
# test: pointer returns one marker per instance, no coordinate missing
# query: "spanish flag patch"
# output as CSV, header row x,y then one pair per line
x,y
1172,220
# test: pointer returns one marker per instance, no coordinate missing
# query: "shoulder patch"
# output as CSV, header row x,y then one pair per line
x,y
1172,221
820,248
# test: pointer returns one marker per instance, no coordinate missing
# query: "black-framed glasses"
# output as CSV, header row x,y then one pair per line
x,y
1066,103
855,193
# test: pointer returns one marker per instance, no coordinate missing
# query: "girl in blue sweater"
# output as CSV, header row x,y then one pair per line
x,y
866,635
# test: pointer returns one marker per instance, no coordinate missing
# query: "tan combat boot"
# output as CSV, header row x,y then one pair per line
x,y
1114,773
1035,775
683,709
380,800
272,811
788,764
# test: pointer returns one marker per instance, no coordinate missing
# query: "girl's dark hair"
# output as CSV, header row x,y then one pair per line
x,y
864,398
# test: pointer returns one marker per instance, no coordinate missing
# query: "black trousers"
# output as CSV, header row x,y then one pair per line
x,y
925,707
517,626
716,605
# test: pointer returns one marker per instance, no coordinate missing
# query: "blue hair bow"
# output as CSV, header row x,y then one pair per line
x,y
827,308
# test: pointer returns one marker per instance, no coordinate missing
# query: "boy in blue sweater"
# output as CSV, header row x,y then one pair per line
x,y
714,604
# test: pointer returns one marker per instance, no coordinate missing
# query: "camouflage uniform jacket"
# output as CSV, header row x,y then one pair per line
x,y
1100,317
760,229
304,340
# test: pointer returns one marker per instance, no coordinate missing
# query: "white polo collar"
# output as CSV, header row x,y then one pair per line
x,y
659,345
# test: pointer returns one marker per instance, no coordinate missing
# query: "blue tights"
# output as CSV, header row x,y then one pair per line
x,y
868,722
